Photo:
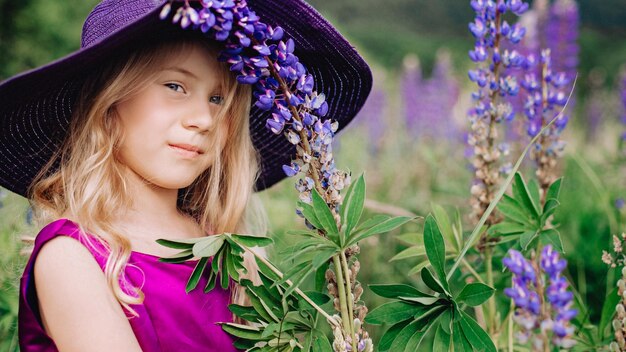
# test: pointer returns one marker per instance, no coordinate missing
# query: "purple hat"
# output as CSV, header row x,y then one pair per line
x,y
36,106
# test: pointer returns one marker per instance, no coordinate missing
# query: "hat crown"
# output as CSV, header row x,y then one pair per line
x,y
109,16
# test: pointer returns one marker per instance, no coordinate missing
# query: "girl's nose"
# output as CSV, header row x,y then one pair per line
x,y
201,117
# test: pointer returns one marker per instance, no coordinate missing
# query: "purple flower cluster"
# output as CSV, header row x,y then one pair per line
x,y
428,103
491,107
561,36
544,95
282,85
543,304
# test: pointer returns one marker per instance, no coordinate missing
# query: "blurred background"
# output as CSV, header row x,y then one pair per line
x,y
410,138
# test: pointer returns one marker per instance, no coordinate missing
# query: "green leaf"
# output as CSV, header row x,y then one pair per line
x,y
427,301
245,312
506,229
444,225
412,238
251,241
209,246
230,265
353,205
178,257
435,249
475,294
526,238
608,311
554,190
317,298
242,331
533,190
415,251
432,283
553,237
396,290
393,312
513,210
309,214
445,321
324,215
390,335
224,273
549,208
418,268
322,257
321,343
179,244
521,193
402,339
210,284
196,274
461,343
476,336
320,277
381,227
441,341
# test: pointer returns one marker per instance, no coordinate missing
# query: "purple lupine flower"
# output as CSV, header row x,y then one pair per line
x,y
544,100
561,37
260,56
410,87
535,282
495,86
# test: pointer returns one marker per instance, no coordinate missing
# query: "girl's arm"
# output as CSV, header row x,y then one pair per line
x,y
78,310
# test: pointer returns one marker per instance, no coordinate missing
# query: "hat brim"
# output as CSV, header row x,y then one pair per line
x,y
36,106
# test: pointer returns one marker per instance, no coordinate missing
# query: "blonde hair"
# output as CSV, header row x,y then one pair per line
x,y
89,182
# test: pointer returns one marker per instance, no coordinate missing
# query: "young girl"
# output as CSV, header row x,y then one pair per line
x,y
143,134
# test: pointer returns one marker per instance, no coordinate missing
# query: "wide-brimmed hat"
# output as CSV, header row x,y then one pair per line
x,y
36,106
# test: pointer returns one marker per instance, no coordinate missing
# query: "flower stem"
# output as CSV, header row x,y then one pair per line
x,y
346,272
342,295
491,302
472,271
297,290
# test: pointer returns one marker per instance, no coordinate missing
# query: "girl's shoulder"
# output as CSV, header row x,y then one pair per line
x,y
66,228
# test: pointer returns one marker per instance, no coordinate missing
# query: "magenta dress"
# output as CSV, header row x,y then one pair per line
x,y
169,318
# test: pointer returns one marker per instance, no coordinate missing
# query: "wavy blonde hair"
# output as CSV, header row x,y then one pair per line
x,y
89,183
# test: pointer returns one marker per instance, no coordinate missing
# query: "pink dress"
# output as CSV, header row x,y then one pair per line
x,y
169,318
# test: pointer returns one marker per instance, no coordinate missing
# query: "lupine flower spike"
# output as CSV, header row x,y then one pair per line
x,y
490,105
542,302
544,99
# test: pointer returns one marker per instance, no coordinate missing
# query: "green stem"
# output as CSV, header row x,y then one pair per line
x,y
503,189
342,294
491,302
346,271
297,290
472,271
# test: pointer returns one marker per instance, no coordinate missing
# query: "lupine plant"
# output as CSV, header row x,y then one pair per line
x,y
282,85
622,92
490,30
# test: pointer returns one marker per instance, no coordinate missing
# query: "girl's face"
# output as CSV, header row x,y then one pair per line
x,y
176,111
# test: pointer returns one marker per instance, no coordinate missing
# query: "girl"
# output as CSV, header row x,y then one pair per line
x,y
143,134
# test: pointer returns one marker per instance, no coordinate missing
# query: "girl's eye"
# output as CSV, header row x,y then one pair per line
x,y
217,99
174,86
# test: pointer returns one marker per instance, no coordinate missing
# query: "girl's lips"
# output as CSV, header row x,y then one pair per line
x,y
184,152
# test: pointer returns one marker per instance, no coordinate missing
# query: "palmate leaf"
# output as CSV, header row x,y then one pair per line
x,y
514,211
309,214
251,241
506,229
209,246
553,237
